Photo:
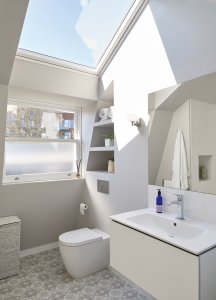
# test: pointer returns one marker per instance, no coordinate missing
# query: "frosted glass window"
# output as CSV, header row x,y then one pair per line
x,y
41,143
31,158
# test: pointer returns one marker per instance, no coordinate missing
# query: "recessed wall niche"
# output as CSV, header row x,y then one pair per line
x,y
205,167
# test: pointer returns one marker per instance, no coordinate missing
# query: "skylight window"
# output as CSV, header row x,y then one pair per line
x,y
77,31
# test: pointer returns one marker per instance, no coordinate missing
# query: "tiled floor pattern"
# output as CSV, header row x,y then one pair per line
x,y
43,276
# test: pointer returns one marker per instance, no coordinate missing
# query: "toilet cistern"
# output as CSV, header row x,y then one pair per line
x,y
180,206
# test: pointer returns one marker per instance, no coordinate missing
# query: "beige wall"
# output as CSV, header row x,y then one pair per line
x,y
180,120
157,140
203,143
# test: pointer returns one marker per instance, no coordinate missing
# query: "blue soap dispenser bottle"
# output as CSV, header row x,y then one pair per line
x,y
159,202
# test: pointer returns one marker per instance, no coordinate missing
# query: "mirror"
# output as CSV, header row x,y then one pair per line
x,y
182,136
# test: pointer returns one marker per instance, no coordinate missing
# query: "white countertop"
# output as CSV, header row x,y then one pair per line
x,y
196,245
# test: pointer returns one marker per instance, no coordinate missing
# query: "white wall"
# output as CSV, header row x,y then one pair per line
x,y
42,77
46,97
197,206
186,28
173,41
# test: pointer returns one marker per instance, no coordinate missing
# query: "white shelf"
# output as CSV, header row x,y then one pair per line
x,y
99,155
102,148
101,173
106,123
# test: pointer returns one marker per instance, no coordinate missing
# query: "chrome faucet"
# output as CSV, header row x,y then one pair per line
x,y
180,206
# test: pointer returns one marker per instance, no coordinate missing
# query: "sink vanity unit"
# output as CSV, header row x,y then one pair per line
x,y
170,259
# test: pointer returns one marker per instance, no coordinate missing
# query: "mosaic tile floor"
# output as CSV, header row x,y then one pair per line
x,y
43,276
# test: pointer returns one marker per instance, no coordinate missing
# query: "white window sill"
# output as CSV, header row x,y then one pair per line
x,y
34,140
8,180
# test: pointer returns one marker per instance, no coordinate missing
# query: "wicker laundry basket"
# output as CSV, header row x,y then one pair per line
x,y
9,246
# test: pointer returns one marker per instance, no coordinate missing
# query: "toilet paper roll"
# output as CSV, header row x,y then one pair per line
x,y
83,208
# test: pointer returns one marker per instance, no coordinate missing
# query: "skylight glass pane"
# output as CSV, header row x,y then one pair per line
x,y
78,31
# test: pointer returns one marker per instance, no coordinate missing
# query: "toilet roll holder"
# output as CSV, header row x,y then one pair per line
x,y
83,208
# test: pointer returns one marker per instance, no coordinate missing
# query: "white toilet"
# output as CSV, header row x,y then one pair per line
x,y
84,251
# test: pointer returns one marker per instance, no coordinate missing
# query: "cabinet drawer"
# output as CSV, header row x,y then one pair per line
x,y
162,270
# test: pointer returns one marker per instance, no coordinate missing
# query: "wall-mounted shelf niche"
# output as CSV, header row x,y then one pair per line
x,y
205,167
106,123
99,155
98,160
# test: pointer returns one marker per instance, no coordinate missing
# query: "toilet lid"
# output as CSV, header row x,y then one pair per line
x,y
79,237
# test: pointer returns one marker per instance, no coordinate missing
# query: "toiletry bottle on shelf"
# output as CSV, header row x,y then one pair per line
x,y
111,167
159,202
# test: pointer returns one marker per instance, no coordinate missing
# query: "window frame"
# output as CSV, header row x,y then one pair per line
x,y
50,176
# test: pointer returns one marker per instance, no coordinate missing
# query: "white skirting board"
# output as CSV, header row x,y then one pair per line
x,y
38,249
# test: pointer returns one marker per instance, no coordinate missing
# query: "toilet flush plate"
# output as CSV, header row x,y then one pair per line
x,y
103,186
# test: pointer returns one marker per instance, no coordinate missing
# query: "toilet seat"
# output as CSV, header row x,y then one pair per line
x,y
79,237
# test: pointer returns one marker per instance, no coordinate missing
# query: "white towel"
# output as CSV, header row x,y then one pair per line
x,y
180,167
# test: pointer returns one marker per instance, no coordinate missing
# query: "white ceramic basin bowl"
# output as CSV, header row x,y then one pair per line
x,y
191,235
165,225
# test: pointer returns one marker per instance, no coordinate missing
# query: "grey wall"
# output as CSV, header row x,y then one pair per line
x,y
12,14
46,209
3,105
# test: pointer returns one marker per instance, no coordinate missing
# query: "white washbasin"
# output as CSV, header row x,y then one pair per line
x,y
191,235
171,227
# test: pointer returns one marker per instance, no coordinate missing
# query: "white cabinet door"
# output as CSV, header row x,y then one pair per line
x,y
162,270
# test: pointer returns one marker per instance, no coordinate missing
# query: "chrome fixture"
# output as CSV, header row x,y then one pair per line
x,y
135,120
180,206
